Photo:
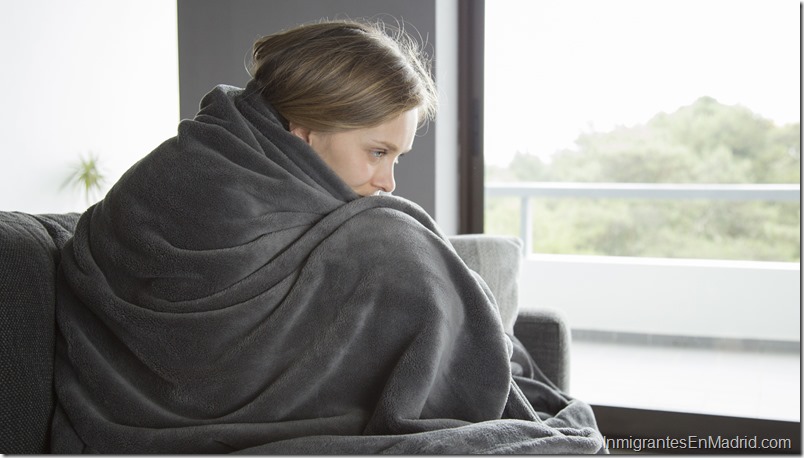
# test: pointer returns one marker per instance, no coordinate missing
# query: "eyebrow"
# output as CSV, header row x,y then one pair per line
x,y
389,146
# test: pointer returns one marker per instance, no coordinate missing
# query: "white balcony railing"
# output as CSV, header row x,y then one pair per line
x,y
753,300
647,191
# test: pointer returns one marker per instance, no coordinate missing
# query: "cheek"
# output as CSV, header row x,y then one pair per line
x,y
351,169
361,172
355,164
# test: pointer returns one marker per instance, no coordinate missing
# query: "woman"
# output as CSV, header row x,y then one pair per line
x,y
234,292
344,88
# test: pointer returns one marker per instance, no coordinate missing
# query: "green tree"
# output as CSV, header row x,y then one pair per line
x,y
705,142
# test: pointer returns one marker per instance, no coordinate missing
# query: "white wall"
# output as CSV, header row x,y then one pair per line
x,y
81,76
446,129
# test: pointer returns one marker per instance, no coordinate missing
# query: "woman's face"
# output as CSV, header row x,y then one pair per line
x,y
364,158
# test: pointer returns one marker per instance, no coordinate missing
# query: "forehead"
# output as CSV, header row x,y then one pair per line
x,y
399,131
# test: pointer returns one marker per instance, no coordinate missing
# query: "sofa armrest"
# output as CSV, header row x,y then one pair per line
x,y
29,255
546,336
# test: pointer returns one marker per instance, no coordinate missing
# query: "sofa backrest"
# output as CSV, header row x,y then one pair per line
x,y
29,253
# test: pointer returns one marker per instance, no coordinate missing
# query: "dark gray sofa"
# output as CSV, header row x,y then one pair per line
x,y
29,257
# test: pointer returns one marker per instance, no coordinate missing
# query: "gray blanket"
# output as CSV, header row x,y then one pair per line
x,y
231,294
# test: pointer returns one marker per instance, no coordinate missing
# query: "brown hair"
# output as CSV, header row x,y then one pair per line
x,y
341,75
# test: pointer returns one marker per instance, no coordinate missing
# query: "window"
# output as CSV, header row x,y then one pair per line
x,y
646,92
649,155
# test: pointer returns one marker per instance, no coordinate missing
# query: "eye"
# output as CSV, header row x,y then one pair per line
x,y
378,153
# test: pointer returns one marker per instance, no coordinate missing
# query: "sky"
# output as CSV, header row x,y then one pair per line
x,y
557,68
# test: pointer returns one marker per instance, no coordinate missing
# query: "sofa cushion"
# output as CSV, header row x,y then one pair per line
x,y
496,259
29,251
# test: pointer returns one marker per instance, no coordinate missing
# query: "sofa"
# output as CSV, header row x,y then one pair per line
x,y
30,247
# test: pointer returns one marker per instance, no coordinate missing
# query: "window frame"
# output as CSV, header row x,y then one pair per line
x,y
471,43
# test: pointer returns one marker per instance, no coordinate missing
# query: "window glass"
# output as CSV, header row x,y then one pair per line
x,y
624,91
649,155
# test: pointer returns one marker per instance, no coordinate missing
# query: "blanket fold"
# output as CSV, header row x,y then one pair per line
x,y
232,294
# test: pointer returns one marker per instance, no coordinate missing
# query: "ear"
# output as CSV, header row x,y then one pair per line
x,y
299,131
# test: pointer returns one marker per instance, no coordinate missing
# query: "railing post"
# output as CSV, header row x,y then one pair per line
x,y
525,226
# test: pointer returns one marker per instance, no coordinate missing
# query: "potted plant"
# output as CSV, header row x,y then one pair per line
x,y
87,177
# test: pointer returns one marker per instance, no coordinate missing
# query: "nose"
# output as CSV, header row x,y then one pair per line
x,y
383,179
